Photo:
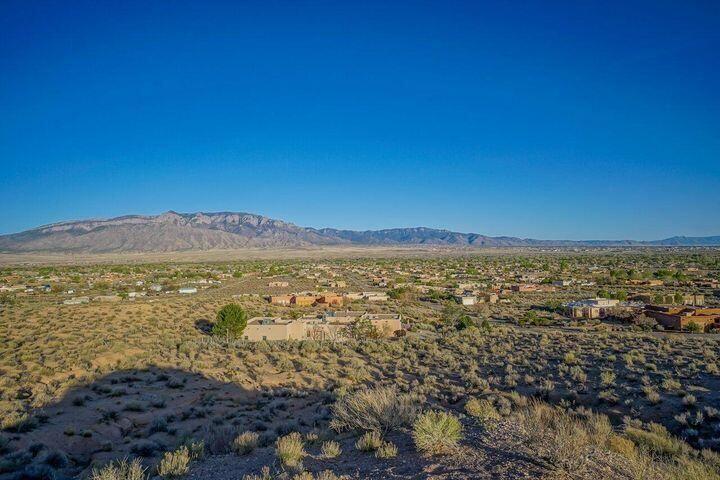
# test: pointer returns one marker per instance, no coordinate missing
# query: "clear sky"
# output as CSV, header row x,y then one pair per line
x,y
551,120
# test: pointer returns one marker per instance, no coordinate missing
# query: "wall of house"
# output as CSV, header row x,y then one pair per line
x,y
387,326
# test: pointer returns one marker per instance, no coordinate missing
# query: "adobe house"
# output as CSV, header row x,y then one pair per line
x,y
330,299
466,299
273,328
281,299
386,323
330,326
591,308
303,300
346,317
679,317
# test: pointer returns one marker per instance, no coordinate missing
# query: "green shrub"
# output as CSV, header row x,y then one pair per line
x,y
437,432
693,327
464,322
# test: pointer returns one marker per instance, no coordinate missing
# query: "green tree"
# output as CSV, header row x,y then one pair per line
x,y
364,329
230,322
693,327
485,325
451,312
464,322
531,317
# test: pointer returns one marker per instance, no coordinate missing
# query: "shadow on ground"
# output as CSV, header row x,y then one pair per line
x,y
144,413
204,326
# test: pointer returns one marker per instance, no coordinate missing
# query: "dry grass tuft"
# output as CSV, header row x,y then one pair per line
x,y
330,449
374,409
174,464
290,450
437,433
245,443
120,470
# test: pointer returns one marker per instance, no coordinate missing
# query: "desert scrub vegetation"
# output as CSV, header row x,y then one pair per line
x,y
378,409
50,352
436,432
483,411
561,439
569,442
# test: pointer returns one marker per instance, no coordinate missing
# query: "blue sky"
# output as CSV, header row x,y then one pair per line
x,y
576,120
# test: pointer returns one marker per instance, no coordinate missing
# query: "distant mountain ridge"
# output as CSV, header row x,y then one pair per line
x,y
172,231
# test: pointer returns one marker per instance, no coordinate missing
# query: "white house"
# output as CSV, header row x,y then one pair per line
x,y
466,299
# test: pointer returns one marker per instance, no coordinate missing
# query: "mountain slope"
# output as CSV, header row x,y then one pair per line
x,y
171,231
163,233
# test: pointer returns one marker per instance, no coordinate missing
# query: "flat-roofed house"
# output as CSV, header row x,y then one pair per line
x,y
345,317
352,296
375,296
328,326
386,323
303,300
524,287
273,328
679,317
694,299
466,299
591,308
281,299
330,299
491,297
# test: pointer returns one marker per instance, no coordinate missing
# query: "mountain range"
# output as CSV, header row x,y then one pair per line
x,y
171,232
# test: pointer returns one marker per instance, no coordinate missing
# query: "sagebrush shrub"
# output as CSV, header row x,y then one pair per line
x,y
553,434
